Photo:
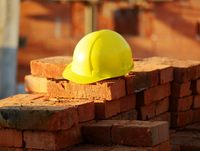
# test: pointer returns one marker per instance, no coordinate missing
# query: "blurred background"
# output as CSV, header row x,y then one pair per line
x,y
33,29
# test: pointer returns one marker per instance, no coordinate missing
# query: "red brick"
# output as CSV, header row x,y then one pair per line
x,y
140,133
180,104
162,117
11,138
162,106
106,109
100,132
196,117
10,149
195,86
141,80
180,89
127,115
22,111
105,90
51,67
180,119
35,84
196,101
54,140
153,94
183,70
146,112
165,146
127,102
166,73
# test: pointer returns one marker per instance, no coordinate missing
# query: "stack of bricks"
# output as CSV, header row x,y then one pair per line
x,y
56,112
109,96
184,99
151,83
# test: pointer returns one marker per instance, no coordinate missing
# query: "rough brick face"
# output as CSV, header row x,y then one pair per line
x,y
105,90
106,109
127,115
162,117
180,89
180,119
100,133
140,133
153,94
196,101
51,67
35,84
146,112
195,86
54,114
162,106
181,104
11,138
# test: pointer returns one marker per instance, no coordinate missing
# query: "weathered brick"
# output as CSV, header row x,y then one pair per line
x,y
127,102
196,117
100,132
180,89
11,138
153,94
162,117
51,67
11,149
165,146
54,140
165,73
196,101
127,115
141,80
22,111
35,84
146,112
140,133
180,119
195,86
162,106
183,70
105,90
180,104
106,109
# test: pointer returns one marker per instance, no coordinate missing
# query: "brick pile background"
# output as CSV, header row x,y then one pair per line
x,y
160,93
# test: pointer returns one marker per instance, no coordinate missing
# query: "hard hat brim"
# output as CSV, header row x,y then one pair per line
x,y
70,75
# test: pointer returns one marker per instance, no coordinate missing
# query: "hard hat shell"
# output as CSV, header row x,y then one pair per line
x,y
99,55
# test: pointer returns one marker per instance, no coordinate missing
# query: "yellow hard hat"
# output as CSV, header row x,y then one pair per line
x,y
99,55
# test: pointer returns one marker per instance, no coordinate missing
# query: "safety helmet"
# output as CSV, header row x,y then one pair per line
x,y
99,55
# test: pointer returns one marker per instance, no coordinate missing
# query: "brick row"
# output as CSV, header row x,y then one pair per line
x,y
125,132
153,94
180,89
163,117
195,86
180,119
156,108
35,112
127,115
104,90
106,109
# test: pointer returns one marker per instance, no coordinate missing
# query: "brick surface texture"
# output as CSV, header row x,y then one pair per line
x,y
125,132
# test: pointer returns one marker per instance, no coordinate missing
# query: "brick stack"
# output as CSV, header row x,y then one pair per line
x,y
37,122
184,90
109,96
151,83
